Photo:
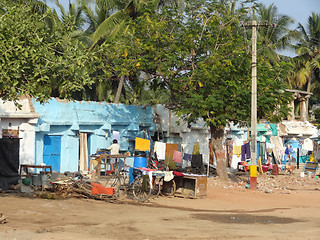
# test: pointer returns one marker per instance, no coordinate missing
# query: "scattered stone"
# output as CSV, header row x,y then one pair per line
x,y
3,219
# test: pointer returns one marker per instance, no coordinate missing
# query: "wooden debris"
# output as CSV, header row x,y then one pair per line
x,y
79,189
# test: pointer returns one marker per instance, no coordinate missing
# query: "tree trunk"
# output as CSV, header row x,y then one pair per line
x,y
217,135
116,100
307,100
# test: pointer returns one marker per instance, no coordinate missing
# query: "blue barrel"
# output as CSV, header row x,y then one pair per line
x,y
131,177
140,162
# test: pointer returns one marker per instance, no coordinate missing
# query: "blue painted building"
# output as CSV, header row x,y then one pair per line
x,y
67,132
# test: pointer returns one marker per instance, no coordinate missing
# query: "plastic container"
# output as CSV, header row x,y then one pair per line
x,y
309,174
45,181
131,177
140,162
36,180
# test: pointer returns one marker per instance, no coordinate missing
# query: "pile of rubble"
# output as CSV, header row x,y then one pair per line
x,y
268,183
65,187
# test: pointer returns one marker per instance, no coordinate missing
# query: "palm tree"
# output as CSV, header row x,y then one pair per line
x,y
72,19
116,24
307,63
276,35
124,10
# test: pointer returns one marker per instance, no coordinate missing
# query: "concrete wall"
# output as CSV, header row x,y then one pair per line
x,y
177,131
68,118
23,118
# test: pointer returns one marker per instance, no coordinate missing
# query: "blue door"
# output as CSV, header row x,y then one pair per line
x,y
52,151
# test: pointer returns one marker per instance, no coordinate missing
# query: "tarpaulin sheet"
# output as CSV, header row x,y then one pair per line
x,y
9,162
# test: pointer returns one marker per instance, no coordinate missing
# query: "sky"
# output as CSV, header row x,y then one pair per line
x,y
299,10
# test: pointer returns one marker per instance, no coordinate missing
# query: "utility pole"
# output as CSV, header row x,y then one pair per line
x,y
253,147
253,165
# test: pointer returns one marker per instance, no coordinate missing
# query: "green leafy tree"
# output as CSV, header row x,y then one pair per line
x,y
202,58
32,56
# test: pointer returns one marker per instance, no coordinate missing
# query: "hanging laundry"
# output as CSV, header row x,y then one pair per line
x,y
142,144
308,144
116,135
274,129
245,151
177,156
187,156
197,163
160,150
286,151
237,150
170,148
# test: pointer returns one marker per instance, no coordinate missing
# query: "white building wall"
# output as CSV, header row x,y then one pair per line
x,y
26,135
198,132
189,139
23,118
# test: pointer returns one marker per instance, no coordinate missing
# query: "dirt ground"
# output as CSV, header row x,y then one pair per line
x,y
230,211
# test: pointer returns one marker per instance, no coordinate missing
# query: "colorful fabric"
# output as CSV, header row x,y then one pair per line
x,y
170,148
274,129
142,144
245,152
286,151
160,150
178,174
187,156
177,156
237,150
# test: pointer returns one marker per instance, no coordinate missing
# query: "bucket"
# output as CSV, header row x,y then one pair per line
x,y
36,180
140,162
302,174
309,174
45,181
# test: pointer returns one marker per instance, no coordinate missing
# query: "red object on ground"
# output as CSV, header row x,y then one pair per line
x,y
265,168
99,189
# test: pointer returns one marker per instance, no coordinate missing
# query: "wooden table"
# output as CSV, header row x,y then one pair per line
x,y
26,166
107,157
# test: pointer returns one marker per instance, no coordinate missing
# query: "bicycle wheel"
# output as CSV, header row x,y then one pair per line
x,y
142,188
156,186
168,188
119,190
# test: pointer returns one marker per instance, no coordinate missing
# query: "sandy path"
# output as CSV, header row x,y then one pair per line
x,y
225,214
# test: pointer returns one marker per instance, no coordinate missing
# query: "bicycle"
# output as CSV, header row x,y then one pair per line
x,y
140,186
154,163
159,186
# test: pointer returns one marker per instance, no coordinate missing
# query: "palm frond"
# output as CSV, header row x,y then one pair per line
x,y
107,27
